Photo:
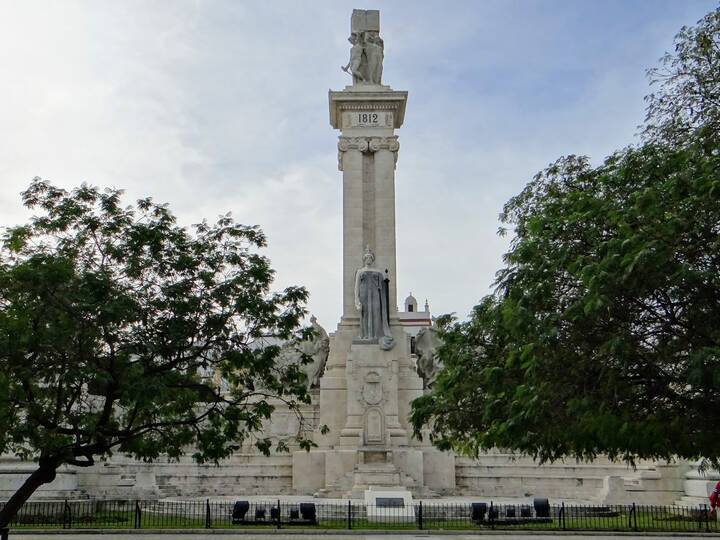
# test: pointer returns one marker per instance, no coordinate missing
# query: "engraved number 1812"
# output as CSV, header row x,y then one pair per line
x,y
368,118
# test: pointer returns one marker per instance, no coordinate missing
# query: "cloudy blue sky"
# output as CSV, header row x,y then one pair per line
x,y
217,106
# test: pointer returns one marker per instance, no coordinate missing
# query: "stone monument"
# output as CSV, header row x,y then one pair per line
x,y
370,378
363,377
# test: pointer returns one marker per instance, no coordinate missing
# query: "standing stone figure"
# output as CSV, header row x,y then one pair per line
x,y
315,348
371,300
374,54
318,348
429,365
354,66
366,58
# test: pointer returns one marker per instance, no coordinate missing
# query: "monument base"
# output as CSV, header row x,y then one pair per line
x,y
341,473
375,475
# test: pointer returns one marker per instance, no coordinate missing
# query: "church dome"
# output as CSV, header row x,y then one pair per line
x,y
410,303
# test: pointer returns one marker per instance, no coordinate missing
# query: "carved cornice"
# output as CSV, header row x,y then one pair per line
x,y
369,107
367,145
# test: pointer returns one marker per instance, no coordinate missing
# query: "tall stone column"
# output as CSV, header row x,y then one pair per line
x,y
367,117
351,162
386,151
367,153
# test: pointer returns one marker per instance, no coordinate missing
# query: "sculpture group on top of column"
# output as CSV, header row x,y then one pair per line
x,y
366,58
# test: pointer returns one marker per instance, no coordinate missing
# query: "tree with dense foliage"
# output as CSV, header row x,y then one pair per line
x,y
116,324
603,335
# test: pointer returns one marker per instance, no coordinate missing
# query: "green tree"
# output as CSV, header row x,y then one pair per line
x,y
687,103
114,323
603,335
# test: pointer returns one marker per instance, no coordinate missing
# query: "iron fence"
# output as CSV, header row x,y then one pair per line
x,y
163,514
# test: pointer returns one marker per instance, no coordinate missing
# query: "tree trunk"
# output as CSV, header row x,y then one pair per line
x,y
43,475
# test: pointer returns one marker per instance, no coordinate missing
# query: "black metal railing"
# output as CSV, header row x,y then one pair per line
x,y
206,514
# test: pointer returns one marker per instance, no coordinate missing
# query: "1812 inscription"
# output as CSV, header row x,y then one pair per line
x,y
368,119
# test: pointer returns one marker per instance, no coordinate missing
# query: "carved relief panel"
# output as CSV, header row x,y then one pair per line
x,y
374,427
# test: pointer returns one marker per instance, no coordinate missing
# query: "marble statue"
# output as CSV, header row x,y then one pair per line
x,y
374,54
429,365
354,66
371,300
366,58
316,349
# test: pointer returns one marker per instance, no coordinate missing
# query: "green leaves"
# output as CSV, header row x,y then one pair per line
x,y
604,333
689,90
120,330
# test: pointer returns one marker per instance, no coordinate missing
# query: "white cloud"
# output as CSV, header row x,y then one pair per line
x,y
222,106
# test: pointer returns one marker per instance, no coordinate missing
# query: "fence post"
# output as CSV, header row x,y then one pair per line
x,y
707,520
67,516
420,523
279,514
138,515
208,522
634,517
491,516
349,514
562,515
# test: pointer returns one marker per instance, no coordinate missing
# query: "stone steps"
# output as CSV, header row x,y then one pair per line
x,y
504,474
692,502
494,479
47,495
269,481
14,472
241,474
250,469
495,458
224,472
177,486
185,461
510,470
557,487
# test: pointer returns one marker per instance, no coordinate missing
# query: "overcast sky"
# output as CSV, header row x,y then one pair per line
x,y
217,106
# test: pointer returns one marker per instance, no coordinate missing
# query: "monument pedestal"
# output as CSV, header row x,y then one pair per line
x,y
365,396
372,396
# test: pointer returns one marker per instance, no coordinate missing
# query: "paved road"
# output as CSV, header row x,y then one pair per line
x,y
356,536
